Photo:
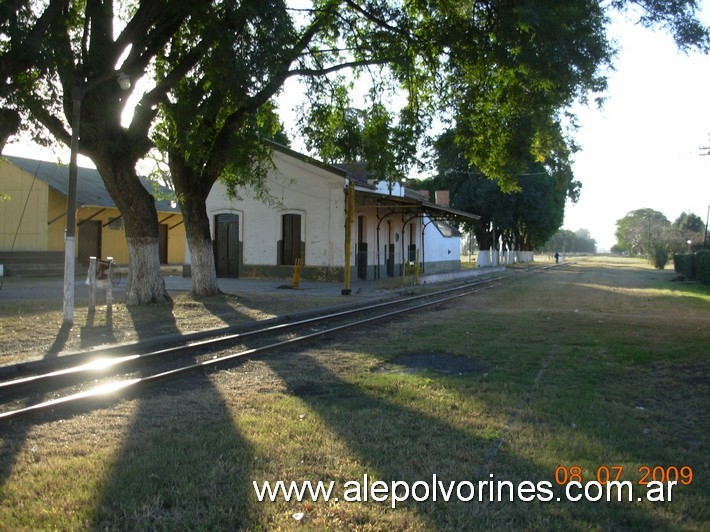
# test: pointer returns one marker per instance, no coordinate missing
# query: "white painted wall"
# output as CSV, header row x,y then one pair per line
x,y
440,253
440,248
318,195
298,188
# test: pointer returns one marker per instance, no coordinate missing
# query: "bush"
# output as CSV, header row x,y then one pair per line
x,y
683,264
694,266
702,266
659,256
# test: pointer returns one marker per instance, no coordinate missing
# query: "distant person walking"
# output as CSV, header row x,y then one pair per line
x,y
557,258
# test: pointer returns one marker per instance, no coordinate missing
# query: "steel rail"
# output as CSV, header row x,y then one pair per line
x,y
104,364
105,390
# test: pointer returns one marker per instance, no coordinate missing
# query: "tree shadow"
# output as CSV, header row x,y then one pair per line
x,y
59,342
390,441
394,442
153,320
93,334
166,469
219,306
14,435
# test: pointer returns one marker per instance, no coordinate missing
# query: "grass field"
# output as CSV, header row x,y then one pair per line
x,y
595,367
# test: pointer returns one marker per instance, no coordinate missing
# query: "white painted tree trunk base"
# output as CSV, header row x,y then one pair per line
x,y
145,282
204,275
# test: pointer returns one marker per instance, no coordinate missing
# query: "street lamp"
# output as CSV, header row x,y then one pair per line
x,y
78,93
689,243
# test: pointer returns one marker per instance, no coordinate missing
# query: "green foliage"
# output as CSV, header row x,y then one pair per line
x,y
503,72
689,222
640,231
684,263
339,132
637,232
702,266
565,241
659,256
523,219
694,265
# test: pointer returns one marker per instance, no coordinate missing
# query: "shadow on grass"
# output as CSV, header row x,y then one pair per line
x,y
153,320
13,439
393,442
59,342
183,465
93,334
220,307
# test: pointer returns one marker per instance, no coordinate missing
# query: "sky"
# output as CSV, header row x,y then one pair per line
x,y
642,150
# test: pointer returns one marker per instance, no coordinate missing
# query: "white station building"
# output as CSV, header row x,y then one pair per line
x,y
392,229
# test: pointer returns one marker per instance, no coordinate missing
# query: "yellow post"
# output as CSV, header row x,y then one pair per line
x,y
349,210
297,273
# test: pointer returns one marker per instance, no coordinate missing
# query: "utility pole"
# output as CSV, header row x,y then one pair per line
x,y
706,149
78,93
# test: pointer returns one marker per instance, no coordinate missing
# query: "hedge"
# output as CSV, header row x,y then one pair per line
x,y
694,266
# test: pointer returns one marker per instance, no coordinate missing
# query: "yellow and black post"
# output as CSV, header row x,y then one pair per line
x,y
349,213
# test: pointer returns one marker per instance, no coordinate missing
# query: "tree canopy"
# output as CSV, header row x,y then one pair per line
x,y
566,241
648,232
502,72
640,230
523,219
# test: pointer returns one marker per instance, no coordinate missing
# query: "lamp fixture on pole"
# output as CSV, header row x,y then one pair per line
x,y
78,93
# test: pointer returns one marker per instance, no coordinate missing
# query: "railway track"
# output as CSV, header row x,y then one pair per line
x,y
109,377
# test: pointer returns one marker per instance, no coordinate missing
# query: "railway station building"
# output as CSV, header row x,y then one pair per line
x,y
392,228
33,206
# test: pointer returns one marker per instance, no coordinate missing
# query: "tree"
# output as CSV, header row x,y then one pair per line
x,y
523,219
502,70
211,126
687,221
79,58
639,231
566,241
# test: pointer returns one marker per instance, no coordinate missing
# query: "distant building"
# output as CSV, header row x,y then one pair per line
x,y
393,228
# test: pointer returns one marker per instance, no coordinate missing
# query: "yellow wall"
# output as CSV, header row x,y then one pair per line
x,y
28,195
56,218
113,241
44,221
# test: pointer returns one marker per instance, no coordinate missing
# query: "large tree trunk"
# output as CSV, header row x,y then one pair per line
x,y
9,124
192,195
145,282
197,229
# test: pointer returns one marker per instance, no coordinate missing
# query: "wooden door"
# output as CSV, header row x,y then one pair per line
x,y
227,245
89,241
163,243
361,249
291,231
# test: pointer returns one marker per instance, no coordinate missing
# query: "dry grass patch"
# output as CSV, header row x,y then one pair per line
x,y
32,328
569,374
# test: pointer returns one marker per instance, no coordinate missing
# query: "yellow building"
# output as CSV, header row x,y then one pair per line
x,y
33,205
